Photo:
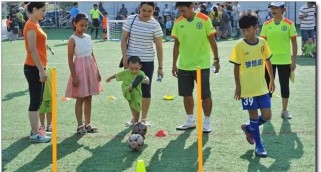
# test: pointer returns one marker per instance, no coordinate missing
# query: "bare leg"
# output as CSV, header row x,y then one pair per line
x,y
78,110
34,121
189,104
266,114
42,118
135,115
87,109
207,106
145,107
284,104
49,118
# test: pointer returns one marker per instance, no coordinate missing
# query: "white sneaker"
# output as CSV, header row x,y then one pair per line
x,y
207,127
39,138
286,115
187,125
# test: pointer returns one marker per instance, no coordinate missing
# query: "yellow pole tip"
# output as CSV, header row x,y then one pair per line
x,y
140,166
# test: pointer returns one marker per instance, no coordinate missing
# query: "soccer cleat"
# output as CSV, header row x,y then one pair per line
x,y
248,135
187,125
260,151
39,138
207,127
81,130
286,115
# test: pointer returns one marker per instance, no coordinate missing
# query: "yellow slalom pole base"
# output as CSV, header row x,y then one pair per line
x,y
199,120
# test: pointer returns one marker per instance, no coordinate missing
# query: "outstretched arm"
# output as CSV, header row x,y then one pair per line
x,y
110,78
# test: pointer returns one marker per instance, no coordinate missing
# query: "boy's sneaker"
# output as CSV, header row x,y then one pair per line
x,y
81,130
207,127
187,125
260,151
39,138
286,115
248,135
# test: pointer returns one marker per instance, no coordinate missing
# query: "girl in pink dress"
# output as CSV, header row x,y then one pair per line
x,y
84,78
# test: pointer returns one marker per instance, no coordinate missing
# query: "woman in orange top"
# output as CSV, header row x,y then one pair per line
x,y
34,67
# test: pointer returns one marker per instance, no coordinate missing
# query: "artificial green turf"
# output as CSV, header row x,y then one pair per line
x,y
289,143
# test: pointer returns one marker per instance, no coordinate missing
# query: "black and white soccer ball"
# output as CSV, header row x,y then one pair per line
x,y
139,128
135,142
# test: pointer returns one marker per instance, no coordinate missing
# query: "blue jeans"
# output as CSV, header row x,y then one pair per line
x,y
307,34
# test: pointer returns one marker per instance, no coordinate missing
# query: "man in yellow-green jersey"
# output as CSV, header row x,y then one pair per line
x,y
280,34
194,38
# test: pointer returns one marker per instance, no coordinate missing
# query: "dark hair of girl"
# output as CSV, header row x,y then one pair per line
x,y
78,17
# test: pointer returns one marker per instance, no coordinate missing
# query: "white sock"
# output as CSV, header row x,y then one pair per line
x,y
190,117
207,119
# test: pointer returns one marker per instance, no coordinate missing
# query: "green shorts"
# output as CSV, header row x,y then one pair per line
x,y
45,107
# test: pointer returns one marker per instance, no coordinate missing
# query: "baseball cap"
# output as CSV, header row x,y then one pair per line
x,y
276,4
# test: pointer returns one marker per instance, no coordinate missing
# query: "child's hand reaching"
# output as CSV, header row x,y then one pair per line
x,y
110,78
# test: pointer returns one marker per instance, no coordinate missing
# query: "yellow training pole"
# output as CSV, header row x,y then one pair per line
x,y
199,120
54,119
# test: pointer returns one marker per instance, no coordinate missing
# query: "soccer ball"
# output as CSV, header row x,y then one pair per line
x,y
135,142
139,128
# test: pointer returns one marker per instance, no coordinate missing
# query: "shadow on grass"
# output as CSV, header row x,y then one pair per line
x,y
305,61
282,148
14,150
175,157
115,155
15,94
44,158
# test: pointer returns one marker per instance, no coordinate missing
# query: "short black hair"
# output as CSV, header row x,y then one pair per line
x,y
247,20
134,59
75,3
186,4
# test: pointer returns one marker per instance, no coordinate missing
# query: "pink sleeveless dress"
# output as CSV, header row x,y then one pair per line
x,y
85,68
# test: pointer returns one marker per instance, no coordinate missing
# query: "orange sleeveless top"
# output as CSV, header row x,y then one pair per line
x,y
41,38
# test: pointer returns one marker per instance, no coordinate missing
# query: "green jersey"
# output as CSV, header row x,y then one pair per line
x,y
278,37
194,46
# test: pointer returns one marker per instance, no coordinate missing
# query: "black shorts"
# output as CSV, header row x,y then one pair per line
x,y
186,81
95,22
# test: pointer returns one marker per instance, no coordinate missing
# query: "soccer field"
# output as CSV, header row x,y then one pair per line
x,y
290,144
